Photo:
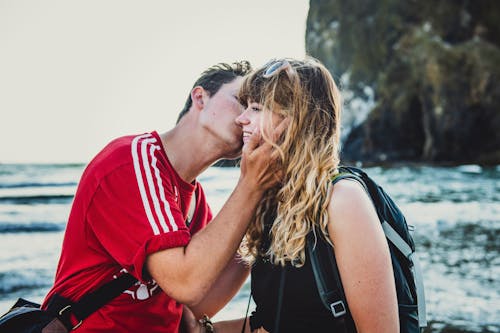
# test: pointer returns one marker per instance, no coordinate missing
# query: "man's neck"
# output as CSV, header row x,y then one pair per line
x,y
188,152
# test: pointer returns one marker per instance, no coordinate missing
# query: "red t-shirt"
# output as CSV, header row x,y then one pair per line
x,y
130,202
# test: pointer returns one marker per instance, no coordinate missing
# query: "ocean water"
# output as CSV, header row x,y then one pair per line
x,y
455,211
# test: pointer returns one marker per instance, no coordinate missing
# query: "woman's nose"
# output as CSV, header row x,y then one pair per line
x,y
242,119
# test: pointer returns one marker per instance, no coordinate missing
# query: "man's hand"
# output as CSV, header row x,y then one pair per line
x,y
195,273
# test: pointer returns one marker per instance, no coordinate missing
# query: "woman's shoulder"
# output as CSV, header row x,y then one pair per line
x,y
350,204
348,192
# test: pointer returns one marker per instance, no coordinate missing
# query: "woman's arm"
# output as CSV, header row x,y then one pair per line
x,y
231,326
363,259
191,325
224,288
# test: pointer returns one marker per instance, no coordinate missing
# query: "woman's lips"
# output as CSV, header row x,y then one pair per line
x,y
246,136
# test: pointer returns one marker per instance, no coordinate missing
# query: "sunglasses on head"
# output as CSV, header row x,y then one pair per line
x,y
276,67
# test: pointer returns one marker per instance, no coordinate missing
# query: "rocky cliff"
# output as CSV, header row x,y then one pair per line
x,y
420,79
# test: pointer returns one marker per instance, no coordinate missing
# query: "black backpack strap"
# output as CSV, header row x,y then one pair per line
x,y
330,290
407,251
328,281
347,173
324,265
66,310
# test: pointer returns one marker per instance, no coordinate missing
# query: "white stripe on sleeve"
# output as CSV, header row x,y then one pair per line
x,y
140,182
150,182
166,205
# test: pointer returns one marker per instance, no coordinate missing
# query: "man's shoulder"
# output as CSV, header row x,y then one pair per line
x,y
124,144
119,153
116,151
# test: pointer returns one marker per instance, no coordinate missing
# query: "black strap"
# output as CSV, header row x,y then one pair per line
x,y
280,300
324,264
348,175
329,287
91,302
88,304
246,313
328,281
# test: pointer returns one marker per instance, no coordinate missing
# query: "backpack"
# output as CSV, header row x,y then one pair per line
x,y
61,315
407,274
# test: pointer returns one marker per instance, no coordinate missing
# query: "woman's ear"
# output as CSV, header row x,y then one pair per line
x,y
198,97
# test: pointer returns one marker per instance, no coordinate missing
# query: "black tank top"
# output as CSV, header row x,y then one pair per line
x,y
302,309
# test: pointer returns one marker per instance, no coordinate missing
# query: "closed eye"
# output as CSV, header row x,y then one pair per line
x,y
256,107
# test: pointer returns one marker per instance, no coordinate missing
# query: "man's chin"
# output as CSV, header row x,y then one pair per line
x,y
229,160
232,150
233,156
235,153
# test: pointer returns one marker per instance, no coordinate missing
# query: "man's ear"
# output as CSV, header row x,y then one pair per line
x,y
198,95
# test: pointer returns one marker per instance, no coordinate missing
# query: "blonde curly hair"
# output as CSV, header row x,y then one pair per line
x,y
304,92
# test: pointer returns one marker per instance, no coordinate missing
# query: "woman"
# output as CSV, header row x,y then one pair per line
x,y
305,93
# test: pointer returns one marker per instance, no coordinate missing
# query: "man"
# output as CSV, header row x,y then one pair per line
x,y
130,214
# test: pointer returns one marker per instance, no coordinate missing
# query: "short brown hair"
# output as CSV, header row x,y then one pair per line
x,y
214,77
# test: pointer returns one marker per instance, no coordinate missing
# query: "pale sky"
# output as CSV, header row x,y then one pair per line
x,y
76,74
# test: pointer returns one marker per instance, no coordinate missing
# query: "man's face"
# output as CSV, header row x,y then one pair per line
x,y
219,115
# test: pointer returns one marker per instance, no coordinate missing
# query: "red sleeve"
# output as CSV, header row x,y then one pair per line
x,y
133,215
203,213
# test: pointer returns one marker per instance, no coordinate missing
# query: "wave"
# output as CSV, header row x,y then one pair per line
x,y
36,184
15,281
37,199
30,227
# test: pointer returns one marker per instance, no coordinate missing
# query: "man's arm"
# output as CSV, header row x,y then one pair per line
x,y
187,273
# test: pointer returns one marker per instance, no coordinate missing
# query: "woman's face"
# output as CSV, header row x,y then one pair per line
x,y
255,118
